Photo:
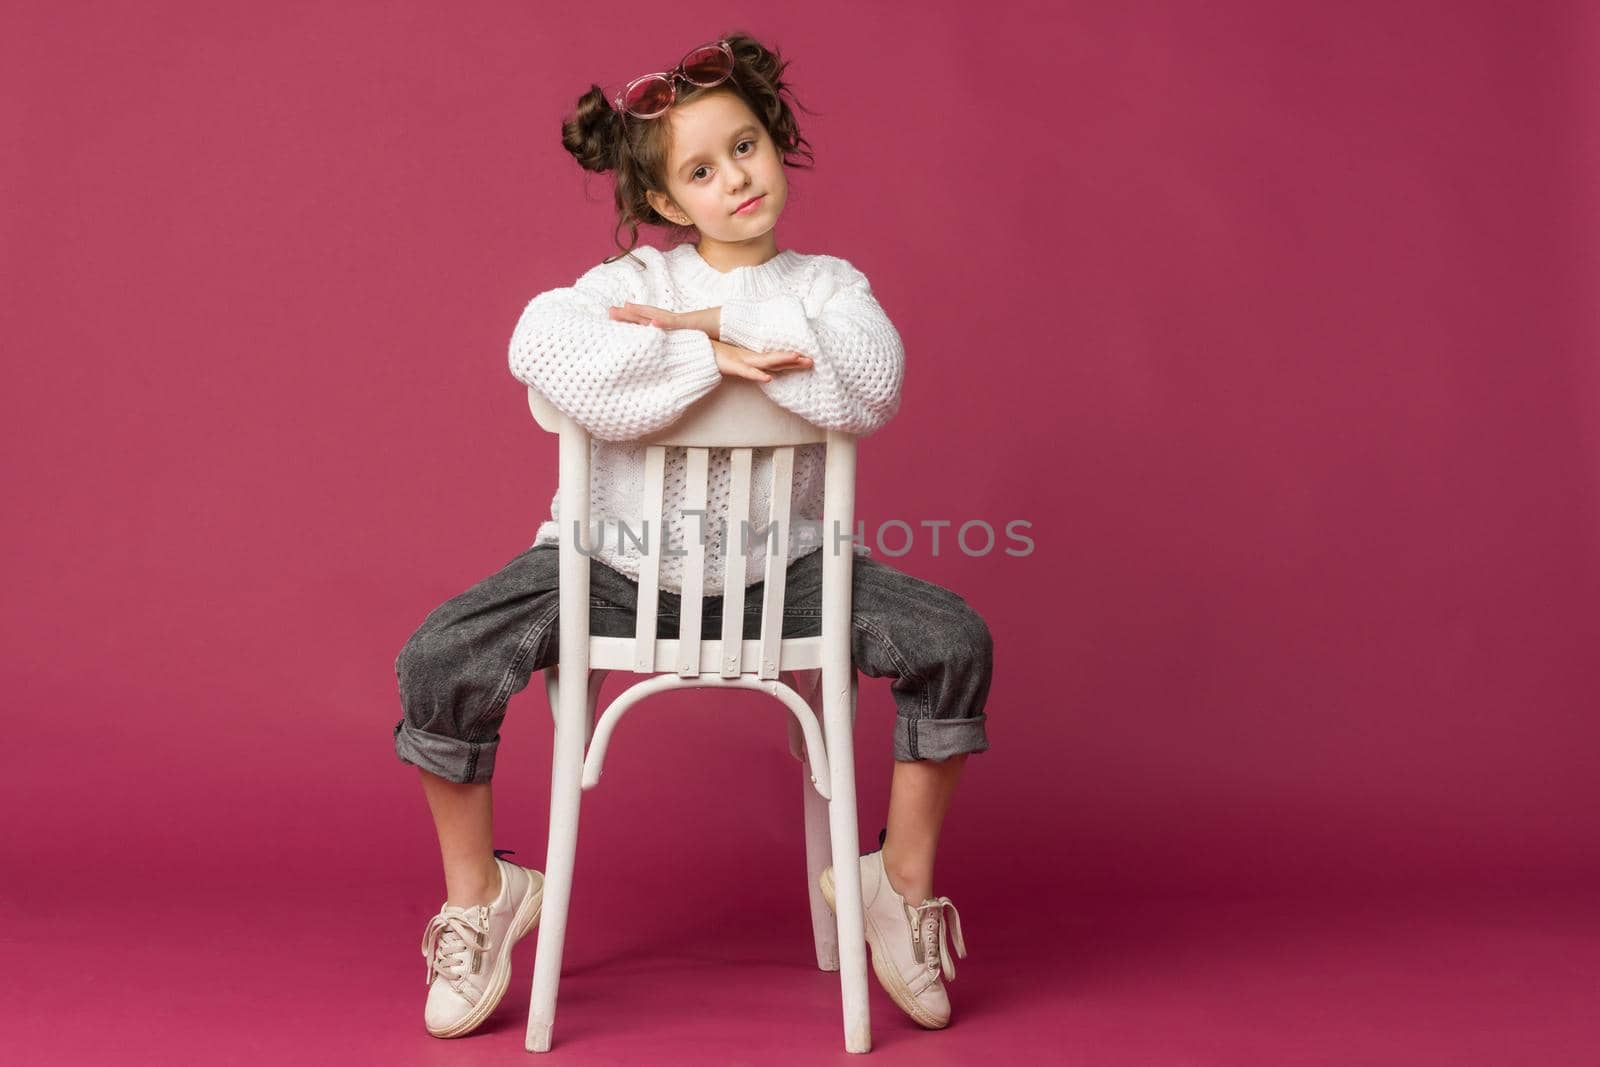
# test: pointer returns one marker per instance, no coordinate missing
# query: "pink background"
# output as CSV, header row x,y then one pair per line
x,y
1277,323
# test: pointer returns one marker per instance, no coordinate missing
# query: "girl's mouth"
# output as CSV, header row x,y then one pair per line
x,y
749,205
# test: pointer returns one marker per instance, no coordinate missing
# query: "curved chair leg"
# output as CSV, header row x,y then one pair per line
x,y
819,850
805,684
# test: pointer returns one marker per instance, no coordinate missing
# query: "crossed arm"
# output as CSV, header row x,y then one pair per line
x,y
850,349
623,369
732,360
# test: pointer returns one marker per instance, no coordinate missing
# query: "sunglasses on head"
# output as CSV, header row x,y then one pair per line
x,y
653,94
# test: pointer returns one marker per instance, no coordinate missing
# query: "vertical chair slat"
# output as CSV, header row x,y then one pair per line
x,y
694,564
733,565
777,564
644,654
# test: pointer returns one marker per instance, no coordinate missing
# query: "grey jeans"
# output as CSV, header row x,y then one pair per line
x,y
474,651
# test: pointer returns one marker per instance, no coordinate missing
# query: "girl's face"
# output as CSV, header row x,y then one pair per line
x,y
721,156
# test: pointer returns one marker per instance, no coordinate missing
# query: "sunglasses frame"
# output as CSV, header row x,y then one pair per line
x,y
671,78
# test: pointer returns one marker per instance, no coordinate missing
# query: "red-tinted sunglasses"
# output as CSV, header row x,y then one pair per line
x,y
652,94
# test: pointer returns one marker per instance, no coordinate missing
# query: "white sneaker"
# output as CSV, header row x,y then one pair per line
x,y
910,949
468,950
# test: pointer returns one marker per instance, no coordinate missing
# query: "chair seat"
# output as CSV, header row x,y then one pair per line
x,y
795,654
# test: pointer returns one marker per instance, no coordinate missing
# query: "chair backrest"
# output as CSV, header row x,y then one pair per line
x,y
737,416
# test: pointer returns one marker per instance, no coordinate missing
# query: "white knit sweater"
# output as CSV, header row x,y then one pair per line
x,y
620,381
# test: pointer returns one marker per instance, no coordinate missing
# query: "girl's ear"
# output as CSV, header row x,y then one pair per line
x,y
666,208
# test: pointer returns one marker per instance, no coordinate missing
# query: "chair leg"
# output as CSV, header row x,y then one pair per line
x,y
838,702
566,790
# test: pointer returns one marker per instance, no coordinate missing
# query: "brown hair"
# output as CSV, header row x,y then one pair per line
x,y
602,140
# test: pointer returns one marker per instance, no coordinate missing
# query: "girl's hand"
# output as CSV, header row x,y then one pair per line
x,y
736,362
708,320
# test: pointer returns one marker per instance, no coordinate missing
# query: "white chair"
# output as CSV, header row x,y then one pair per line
x,y
808,675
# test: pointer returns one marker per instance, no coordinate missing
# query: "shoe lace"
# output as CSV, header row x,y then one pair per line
x,y
449,938
935,937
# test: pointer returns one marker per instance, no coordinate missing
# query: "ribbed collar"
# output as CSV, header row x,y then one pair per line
x,y
764,279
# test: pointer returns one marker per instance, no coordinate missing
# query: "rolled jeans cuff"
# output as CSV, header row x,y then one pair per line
x,y
450,758
938,739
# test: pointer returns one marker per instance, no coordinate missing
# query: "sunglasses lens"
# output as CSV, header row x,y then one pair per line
x,y
706,66
649,97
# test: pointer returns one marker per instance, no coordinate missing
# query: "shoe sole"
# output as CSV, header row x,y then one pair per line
x,y
523,921
891,982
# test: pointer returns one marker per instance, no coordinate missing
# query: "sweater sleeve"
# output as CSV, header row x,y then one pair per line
x,y
618,380
853,384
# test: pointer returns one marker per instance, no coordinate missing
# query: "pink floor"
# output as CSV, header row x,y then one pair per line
x,y
279,977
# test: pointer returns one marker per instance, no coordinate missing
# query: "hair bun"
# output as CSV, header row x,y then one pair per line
x,y
593,132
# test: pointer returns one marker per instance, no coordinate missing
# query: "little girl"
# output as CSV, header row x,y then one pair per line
x,y
624,351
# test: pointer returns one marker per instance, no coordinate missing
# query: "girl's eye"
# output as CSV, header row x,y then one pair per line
x,y
747,141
